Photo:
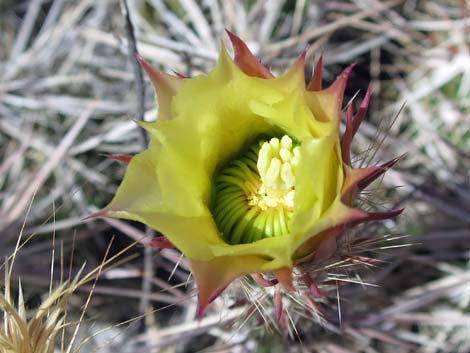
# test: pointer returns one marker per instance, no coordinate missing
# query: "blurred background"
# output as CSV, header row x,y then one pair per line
x,y
69,96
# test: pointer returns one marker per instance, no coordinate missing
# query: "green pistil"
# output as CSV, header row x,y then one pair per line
x,y
253,195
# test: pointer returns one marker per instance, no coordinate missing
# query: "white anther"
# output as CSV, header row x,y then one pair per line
x,y
277,161
272,175
274,142
295,159
287,176
285,154
286,142
296,151
289,199
264,159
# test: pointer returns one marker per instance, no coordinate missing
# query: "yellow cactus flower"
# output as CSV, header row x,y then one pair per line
x,y
245,172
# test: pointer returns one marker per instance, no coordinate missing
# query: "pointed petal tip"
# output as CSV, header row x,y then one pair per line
x,y
372,173
145,65
365,102
232,35
245,59
355,214
238,44
343,76
119,157
360,178
139,58
304,53
320,61
165,85
263,282
347,71
154,74
300,62
339,85
178,74
312,286
279,309
347,137
359,117
99,214
161,242
380,216
200,311
316,80
284,277
204,301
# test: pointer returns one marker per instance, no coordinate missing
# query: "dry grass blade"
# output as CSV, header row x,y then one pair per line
x,y
21,203
37,334
59,57
22,332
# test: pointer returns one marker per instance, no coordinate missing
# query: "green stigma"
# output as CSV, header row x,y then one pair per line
x,y
254,195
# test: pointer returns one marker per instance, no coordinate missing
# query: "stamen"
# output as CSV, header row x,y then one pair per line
x,y
254,194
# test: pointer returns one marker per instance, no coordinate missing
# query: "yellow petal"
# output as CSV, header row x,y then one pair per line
x,y
330,224
326,104
166,87
318,183
214,117
213,276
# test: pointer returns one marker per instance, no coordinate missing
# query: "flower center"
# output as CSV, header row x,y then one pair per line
x,y
254,195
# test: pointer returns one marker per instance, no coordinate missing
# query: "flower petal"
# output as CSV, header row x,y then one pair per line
x,y
318,182
362,111
316,80
326,104
330,225
284,276
360,178
186,222
347,137
166,87
246,60
213,276
120,158
212,122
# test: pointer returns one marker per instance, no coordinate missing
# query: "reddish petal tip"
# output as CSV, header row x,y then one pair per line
x,y
380,216
231,35
348,70
179,75
304,53
161,242
362,111
203,303
316,80
284,276
139,58
365,102
338,87
263,282
302,57
386,215
119,157
245,60
310,283
347,137
375,172
99,214
200,312
146,66
279,309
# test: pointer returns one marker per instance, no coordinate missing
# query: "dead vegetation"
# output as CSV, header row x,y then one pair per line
x,y
68,97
